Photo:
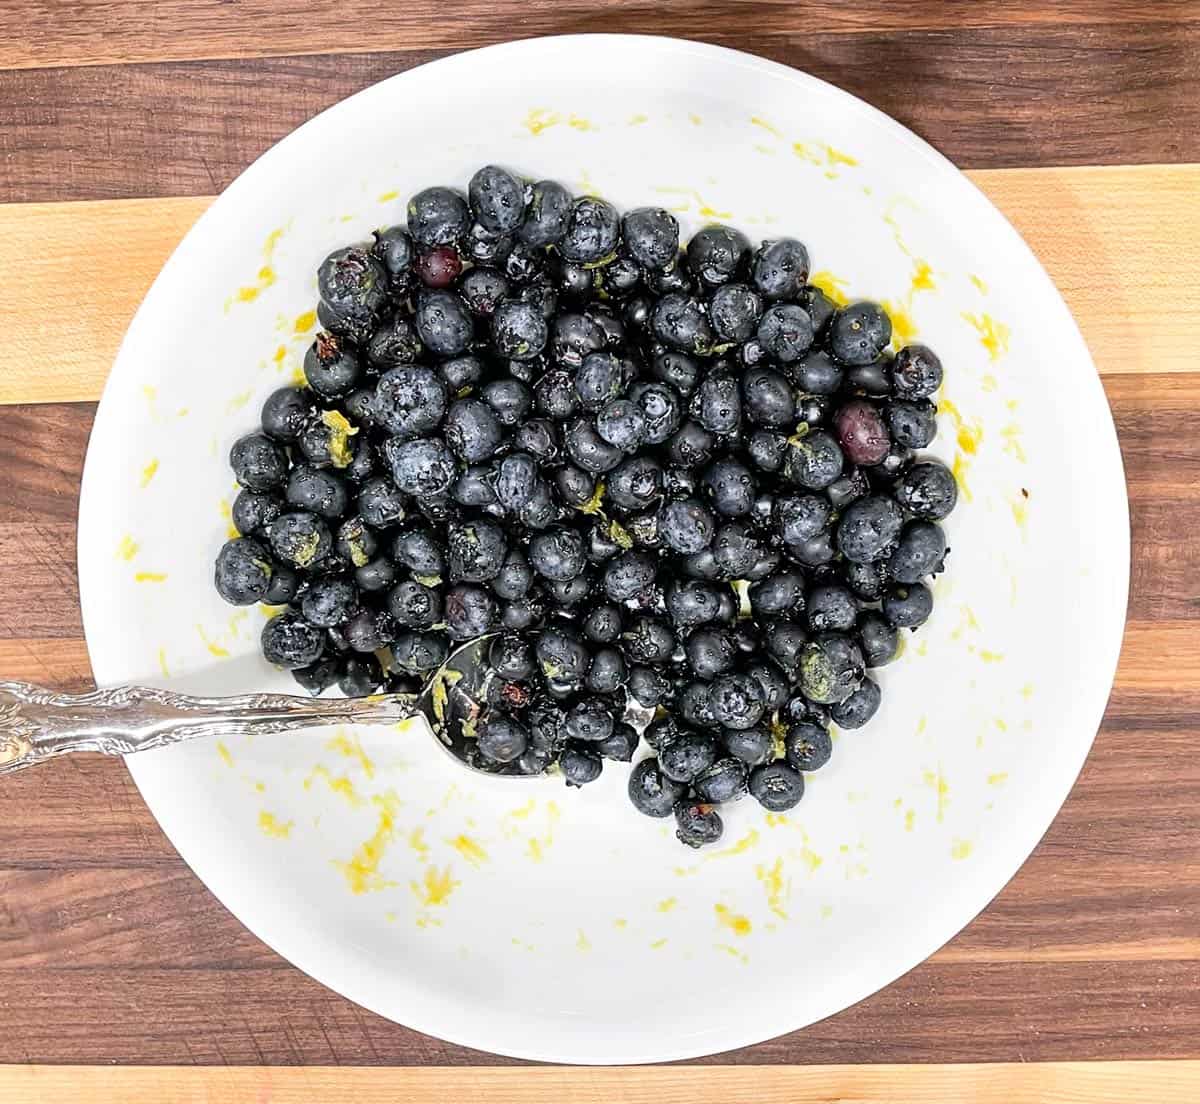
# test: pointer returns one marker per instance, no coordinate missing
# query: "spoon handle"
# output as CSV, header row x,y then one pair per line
x,y
38,724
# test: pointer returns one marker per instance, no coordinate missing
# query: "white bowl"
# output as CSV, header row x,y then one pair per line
x,y
522,918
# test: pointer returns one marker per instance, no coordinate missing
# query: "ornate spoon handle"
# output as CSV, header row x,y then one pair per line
x,y
37,724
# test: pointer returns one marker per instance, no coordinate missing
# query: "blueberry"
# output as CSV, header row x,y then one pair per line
x,y
285,413
444,322
680,322
785,332
859,707
729,486
848,487
635,483
628,575
735,551
579,767
651,236
329,601
497,200
818,373
502,739
419,551
868,580
830,607
710,652
539,438
284,586
725,780
355,542
677,370
477,549
414,606
475,486
735,310
859,333
814,460
767,450
621,745
482,289
318,677
622,424
660,408
290,642
808,746
908,605
574,485
649,640
574,337
253,511
778,595
785,642
607,672
567,592
394,249
420,652
691,602
912,422
523,613
438,216
380,503
472,430
410,401
870,379
814,552
394,342
861,432
515,576
780,268
519,330
375,575
652,792
686,525
916,372
751,745
601,378
588,449
353,283
920,551
736,701
771,681
716,254
690,446
243,572
683,758
869,529
697,824
603,623
300,539
820,307
717,404
593,228
487,248
777,787
561,656
421,467
927,490
259,464
547,211
648,687
470,612
589,721
557,554
831,668
767,398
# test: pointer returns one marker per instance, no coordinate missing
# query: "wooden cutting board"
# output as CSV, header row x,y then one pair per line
x,y
122,979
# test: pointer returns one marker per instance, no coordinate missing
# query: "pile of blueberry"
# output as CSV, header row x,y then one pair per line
x,y
679,480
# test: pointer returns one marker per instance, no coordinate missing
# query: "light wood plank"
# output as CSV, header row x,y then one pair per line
x,y
1120,243
1046,1083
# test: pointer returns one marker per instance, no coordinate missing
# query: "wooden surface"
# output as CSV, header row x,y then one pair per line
x,y
1043,1083
112,952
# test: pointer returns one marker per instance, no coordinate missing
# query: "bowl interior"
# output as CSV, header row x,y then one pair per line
x,y
460,905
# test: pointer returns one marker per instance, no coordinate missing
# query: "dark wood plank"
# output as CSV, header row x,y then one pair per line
x,y
275,1015
1057,94
93,32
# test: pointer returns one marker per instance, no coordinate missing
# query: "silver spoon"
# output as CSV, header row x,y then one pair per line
x,y
38,724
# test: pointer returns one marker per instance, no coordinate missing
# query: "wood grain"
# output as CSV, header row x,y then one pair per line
x,y
1042,1083
1120,243
98,32
1031,93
